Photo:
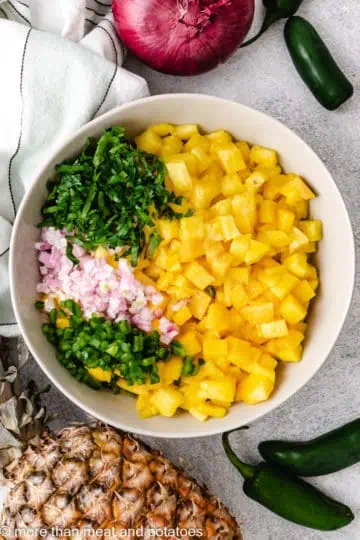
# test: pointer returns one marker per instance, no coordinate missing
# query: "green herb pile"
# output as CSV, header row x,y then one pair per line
x,y
108,195
111,346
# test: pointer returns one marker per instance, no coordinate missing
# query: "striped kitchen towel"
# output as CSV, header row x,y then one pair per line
x,y
60,67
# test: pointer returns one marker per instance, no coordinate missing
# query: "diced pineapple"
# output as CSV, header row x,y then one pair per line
x,y
185,131
163,129
218,318
256,179
165,280
192,228
207,409
285,219
237,294
290,355
267,211
254,289
239,353
312,229
100,374
244,149
228,226
221,264
215,350
203,193
265,367
198,275
256,251
167,401
197,141
149,141
291,341
168,229
284,285
181,316
244,211
135,388
303,190
199,304
171,145
277,238
231,184
190,250
263,156
304,292
221,390
258,313
143,278
297,264
240,274
239,247
292,310
202,159
190,342
254,389
180,176
274,329
221,208
219,137
214,232
172,370
271,190
297,239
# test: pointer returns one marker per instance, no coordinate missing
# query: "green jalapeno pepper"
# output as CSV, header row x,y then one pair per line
x,y
289,496
329,453
275,10
315,64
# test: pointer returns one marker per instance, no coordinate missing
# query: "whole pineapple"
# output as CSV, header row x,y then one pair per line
x,y
91,478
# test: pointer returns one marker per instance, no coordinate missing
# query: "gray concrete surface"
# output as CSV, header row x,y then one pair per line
x,y
263,77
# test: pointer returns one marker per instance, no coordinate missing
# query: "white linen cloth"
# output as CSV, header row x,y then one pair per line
x,y
60,67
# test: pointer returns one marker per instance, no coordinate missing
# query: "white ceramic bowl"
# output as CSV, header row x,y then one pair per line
x,y
335,258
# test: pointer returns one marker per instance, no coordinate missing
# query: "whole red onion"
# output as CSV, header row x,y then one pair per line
x,y
183,37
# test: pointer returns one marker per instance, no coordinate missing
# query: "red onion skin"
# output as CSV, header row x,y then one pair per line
x,y
183,37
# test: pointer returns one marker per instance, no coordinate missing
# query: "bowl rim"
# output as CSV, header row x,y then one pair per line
x,y
213,427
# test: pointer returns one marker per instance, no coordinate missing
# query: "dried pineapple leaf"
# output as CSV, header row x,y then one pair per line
x,y
23,353
9,415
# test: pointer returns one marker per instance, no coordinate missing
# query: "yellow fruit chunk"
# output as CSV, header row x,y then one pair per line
x,y
304,292
172,370
297,264
312,229
267,211
192,228
134,388
244,211
239,247
263,156
297,239
179,176
207,409
62,322
163,129
239,353
290,355
149,141
258,313
100,374
198,275
228,226
218,318
277,238
256,251
165,280
221,390
181,316
214,232
197,141
240,274
202,159
254,389
144,279
221,208
171,145
231,184
284,285
256,179
219,137
303,190
203,193
185,131
236,293
199,304
190,342
285,219
166,401
168,229
215,350
291,341
274,329
220,264
291,309
190,250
